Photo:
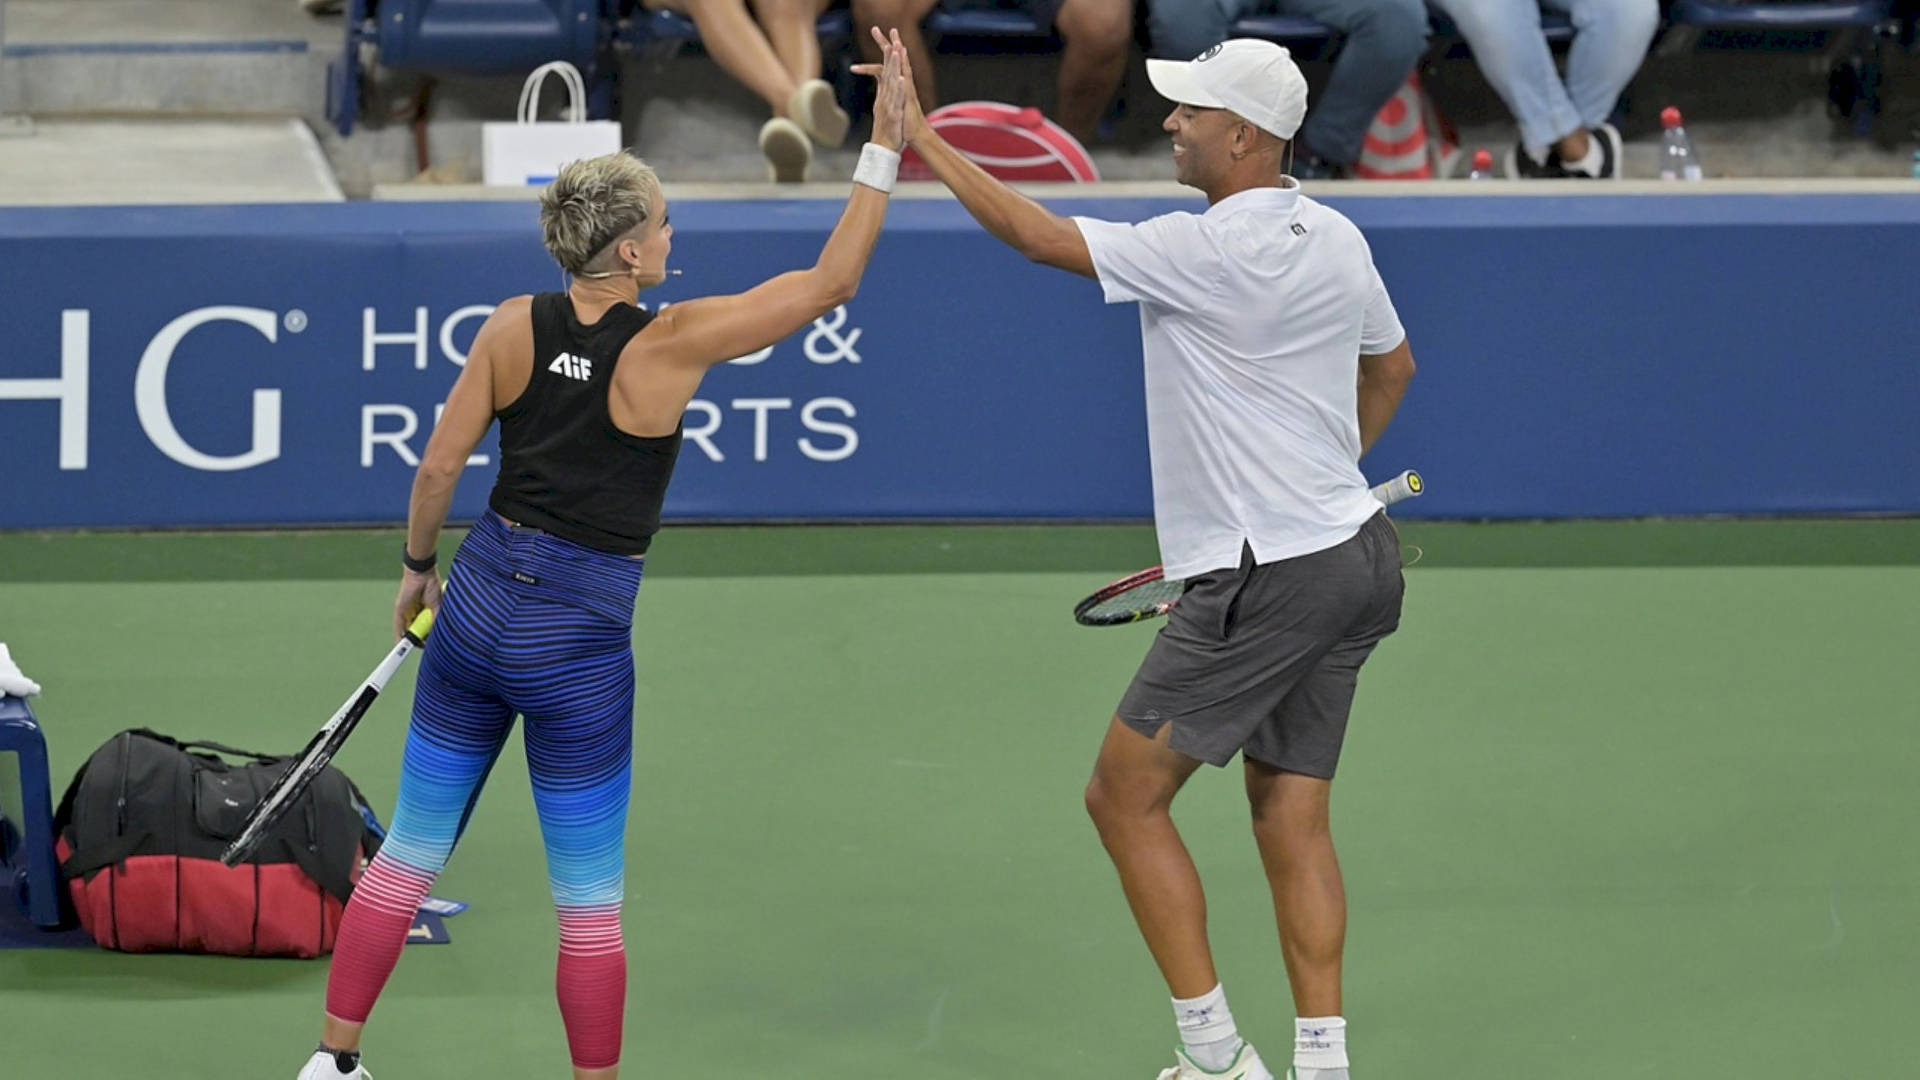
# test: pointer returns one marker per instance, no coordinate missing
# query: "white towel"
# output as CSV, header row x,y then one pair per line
x,y
12,680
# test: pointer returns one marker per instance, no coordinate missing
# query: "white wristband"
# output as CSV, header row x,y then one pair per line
x,y
878,166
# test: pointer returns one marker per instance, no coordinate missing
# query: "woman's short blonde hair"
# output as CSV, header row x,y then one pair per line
x,y
594,202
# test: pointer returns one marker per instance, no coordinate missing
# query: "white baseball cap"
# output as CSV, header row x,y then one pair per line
x,y
1256,79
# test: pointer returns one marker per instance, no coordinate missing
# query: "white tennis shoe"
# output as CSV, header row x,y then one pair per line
x,y
325,1066
813,107
788,152
1246,1066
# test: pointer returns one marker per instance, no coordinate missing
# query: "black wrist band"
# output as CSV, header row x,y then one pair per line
x,y
418,566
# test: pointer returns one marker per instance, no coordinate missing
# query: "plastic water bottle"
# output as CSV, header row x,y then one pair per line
x,y
1483,165
1677,159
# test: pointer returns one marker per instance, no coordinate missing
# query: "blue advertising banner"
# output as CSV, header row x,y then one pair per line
x,y
1581,356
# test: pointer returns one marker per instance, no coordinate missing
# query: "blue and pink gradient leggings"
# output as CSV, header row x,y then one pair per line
x,y
535,625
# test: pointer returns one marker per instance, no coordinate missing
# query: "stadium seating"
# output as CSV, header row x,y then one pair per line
x,y
490,37
38,874
836,25
1282,28
1557,27
1848,32
1781,14
482,36
1286,29
467,37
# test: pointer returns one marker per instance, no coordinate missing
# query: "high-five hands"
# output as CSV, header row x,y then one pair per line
x,y
897,118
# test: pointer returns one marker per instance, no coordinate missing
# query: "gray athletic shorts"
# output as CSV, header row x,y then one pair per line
x,y
1263,659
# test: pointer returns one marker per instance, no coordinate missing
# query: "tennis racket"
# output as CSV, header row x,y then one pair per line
x,y
300,771
1148,594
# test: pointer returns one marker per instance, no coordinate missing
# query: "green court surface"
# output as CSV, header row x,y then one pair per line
x,y
1618,801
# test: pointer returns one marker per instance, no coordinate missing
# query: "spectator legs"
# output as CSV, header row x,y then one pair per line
x,y
1384,40
1514,57
1096,34
1610,42
904,16
735,42
1183,29
792,29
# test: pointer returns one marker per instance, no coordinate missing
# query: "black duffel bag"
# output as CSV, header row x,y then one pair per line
x,y
141,830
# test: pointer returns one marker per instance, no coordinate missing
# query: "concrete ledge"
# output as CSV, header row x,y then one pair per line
x,y
77,162
145,23
1127,189
92,80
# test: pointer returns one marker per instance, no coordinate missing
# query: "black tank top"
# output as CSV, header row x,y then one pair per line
x,y
564,466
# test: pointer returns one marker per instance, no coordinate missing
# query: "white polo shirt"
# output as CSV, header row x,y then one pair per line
x,y
1253,318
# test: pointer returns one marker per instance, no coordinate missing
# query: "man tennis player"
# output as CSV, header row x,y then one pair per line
x,y
1273,361
589,389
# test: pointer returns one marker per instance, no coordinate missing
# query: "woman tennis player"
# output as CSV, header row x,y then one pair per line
x,y
589,389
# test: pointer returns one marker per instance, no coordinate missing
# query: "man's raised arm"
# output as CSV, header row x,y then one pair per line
x,y
1024,225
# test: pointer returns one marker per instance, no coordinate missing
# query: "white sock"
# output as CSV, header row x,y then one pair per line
x,y
1206,1029
1591,163
1320,1048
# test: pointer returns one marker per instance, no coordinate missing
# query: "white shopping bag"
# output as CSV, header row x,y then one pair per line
x,y
528,152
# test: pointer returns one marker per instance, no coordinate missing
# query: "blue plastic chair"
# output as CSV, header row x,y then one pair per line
x,y
1847,32
942,22
487,37
1557,28
37,881
1846,24
1763,15
1282,28
466,37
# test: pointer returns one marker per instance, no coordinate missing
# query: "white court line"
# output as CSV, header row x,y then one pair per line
x,y
934,1021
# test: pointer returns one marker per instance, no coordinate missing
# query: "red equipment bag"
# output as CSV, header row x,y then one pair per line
x,y
141,830
1010,142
